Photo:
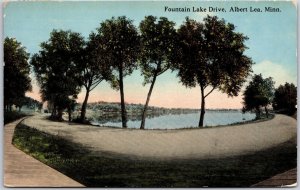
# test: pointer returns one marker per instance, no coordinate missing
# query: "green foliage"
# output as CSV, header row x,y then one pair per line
x,y
16,73
32,103
157,43
29,102
10,116
120,44
95,68
285,98
57,69
211,54
259,93
113,170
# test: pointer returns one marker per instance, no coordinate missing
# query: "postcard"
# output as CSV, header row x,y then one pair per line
x,y
150,94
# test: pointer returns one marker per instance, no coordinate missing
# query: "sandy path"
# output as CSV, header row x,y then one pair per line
x,y
192,143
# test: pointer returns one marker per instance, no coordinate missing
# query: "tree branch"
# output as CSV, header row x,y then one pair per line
x,y
161,72
210,92
95,84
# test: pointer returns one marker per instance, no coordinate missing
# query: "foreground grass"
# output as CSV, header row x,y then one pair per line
x,y
111,170
12,116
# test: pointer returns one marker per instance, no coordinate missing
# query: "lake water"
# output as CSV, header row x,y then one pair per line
x,y
211,118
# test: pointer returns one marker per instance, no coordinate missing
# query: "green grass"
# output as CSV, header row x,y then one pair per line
x,y
113,170
12,116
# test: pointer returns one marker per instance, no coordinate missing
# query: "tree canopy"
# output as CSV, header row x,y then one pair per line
x,y
285,98
157,43
16,73
57,70
121,47
259,93
211,55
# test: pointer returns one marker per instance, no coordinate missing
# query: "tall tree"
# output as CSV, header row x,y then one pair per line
x,y
16,73
121,45
157,43
212,56
285,98
94,68
259,93
57,69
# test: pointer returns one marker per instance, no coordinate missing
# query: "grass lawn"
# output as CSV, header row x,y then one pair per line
x,y
113,170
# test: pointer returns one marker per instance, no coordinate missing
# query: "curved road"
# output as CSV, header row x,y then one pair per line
x,y
171,144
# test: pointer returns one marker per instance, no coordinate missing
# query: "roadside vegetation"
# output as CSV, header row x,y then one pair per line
x,y
110,170
17,113
11,116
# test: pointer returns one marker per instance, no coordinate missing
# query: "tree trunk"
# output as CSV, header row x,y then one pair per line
x,y
59,115
202,112
257,113
84,104
144,114
70,114
8,107
53,111
267,112
123,109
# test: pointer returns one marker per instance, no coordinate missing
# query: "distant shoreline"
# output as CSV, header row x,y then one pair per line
x,y
153,106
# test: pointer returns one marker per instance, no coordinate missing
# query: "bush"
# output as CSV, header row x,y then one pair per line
x,y
12,116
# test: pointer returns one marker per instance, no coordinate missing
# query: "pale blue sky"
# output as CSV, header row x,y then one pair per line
x,y
272,40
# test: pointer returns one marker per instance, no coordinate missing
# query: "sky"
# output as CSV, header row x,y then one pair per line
x,y
272,43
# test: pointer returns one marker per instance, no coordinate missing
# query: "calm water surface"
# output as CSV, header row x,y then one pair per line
x,y
212,118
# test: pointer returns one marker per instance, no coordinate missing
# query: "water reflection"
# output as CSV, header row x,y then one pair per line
x,y
174,120
116,118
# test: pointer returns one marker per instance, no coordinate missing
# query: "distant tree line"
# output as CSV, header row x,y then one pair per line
x,y
30,103
113,108
261,93
208,54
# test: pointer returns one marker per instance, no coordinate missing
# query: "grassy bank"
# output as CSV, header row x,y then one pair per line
x,y
12,116
112,170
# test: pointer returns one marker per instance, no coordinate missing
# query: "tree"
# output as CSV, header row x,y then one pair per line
x,y
212,56
20,102
285,98
29,102
94,68
16,73
259,93
57,70
32,103
121,47
157,39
